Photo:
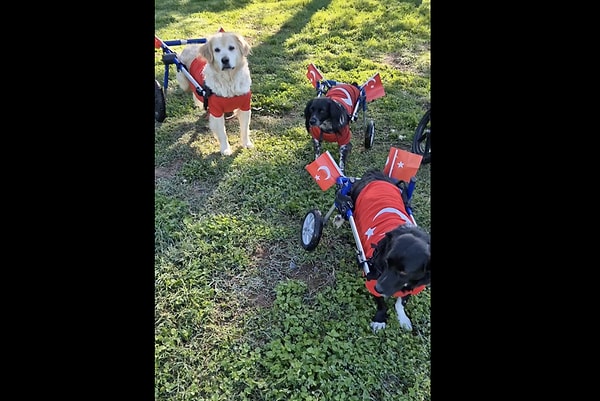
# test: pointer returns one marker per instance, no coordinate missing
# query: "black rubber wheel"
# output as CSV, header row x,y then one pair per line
x,y
312,228
369,134
160,106
421,143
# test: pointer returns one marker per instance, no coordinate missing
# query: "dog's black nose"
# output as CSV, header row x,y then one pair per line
x,y
313,121
225,63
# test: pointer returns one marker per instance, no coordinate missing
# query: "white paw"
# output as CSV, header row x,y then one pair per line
x,y
248,145
402,318
405,322
376,326
226,152
338,221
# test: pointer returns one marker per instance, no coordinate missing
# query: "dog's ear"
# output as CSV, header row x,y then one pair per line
x,y
307,115
307,109
243,45
339,117
206,51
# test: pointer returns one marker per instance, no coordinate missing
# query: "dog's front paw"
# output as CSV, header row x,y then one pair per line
x,y
226,151
248,145
338,220
404,320
376,326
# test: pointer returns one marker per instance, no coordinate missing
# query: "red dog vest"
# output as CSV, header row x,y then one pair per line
x,y
379,208
347,95
217,105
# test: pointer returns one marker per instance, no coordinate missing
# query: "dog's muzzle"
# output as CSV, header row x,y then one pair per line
x,y
382,291
325,126
225,64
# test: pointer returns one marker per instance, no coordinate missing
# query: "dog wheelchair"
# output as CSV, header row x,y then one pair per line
x,y
421,143
322,86
313,223
170,57
369,133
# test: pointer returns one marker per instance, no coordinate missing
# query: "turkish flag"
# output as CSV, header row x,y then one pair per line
x,y
157,42
313,74
324,170
402,164
374,88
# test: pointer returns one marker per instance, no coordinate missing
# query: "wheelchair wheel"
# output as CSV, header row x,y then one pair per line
x,y
312,228
369,134
421,143
160,107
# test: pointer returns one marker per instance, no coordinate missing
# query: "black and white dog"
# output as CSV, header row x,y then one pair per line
x,y
327,118
396,249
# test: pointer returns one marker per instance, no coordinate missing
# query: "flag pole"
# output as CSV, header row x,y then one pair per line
x,y
393,163
334,163
365,84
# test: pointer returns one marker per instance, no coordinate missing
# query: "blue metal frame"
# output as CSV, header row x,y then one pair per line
x,y
164,45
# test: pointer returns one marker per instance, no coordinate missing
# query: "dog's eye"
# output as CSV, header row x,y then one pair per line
x,y
217,49
231,48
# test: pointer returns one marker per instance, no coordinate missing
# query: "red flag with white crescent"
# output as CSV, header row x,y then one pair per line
x,y
402,164
324,170
313,74
157,42
374,88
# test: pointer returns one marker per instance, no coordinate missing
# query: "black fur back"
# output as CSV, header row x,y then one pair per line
x,y
368,177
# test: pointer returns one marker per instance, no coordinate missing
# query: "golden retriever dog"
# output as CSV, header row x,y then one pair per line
x,y
220,66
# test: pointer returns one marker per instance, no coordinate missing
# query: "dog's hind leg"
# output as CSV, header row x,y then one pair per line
x,y
380,318
316,147
244,119
401,313
344,153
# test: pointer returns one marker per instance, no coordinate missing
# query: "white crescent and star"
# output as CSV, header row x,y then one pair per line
x,y
347,99
392,210
374,82
404,217
400,164
314,76
326,169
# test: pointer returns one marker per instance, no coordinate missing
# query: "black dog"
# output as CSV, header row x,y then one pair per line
x,y
396,249
327,119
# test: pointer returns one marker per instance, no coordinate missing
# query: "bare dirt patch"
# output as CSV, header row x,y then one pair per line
x,y
167,172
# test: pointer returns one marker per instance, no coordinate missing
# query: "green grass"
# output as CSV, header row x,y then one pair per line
x,y
242,311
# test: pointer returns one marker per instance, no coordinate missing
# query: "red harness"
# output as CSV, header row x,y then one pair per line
x,y
217,105
379,208
347,96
